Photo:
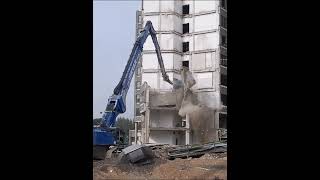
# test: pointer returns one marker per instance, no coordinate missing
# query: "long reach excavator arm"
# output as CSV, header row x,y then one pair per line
x,y
116,102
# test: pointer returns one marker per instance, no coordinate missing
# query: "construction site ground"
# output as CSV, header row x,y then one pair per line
x,y
211,166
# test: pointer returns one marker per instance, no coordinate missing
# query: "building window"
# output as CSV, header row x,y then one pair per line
x,y
138,84
185,46
224,99
185,64
138,112
185,28
223,80
223,60
223,21
223,57
224,41
224,4
185,9
223,121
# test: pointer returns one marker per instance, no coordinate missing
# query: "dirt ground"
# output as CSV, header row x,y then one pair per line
x,y
209,166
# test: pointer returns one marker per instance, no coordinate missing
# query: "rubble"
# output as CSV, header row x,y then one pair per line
x,y
151,161
214,156
159,150
197,151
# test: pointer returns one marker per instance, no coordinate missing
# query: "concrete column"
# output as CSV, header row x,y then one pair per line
x,y
147,121
188,130
216,124
147,115
135,132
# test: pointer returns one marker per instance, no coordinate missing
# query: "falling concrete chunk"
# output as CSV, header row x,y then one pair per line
x,y
189,102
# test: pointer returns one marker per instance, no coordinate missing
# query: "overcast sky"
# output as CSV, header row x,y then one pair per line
x,y
113,39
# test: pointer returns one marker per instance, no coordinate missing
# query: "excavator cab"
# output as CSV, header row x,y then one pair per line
x,y
111,106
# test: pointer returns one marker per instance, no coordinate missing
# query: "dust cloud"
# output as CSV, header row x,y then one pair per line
x,y
201,116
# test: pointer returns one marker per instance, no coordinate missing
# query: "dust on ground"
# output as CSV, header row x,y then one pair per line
x,y
209,166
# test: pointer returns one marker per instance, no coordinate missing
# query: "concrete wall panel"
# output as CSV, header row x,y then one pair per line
x,y
177,24
205,22
204,80
154,20
167,60
198,61
161,137
206,41
151,6
162,118
209,59
167,6
167,22
151,79
150,61
177,61
204,6
178,6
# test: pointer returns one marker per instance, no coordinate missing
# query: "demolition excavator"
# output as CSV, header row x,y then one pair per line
x,y
104,135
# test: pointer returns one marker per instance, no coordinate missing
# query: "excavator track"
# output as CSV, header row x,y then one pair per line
x,y
99,152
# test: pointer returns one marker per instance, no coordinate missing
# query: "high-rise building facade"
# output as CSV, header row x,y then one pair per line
x,y
192,34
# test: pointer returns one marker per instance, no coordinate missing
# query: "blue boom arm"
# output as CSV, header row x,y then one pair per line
x,y
116,102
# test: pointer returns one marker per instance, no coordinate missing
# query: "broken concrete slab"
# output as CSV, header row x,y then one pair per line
x,y
136,153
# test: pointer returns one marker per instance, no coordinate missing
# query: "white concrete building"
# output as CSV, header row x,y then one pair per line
x,y
193,34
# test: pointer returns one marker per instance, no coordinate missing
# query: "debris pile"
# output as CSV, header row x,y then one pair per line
x,y
160,150
163,161
214,156
197,150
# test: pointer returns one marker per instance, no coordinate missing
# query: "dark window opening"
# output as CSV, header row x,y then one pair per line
x,y
137,111
224,57
223,22
185,28
138,84
185,46
224,99
185,64
111,106
224,41
223,60
223,4
185,9
223,80
223,121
